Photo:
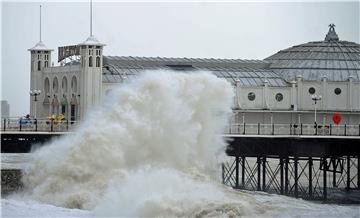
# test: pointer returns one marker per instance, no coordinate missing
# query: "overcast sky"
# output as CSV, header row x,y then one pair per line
x,y
242,30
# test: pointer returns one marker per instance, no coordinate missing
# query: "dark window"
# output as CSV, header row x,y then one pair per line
x,y
39,52
251,96
39,65
46,52
97,61
312,90
90,62
337,91
63,109
90,46
46,64
73,112
97,46
279,97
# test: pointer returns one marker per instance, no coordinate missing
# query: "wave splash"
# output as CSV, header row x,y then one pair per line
x,y
150,150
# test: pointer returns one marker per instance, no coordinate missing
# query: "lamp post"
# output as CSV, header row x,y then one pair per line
x,y
35,93
316,98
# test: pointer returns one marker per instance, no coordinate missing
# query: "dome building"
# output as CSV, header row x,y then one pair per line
x,y
331,58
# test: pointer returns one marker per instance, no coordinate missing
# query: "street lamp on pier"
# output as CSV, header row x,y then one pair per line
x,y
315,98
35,93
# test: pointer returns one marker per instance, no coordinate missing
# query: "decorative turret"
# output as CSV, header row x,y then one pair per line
x,y
331,35
91,52
40,59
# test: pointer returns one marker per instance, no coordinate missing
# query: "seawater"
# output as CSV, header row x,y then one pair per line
x,y
153,148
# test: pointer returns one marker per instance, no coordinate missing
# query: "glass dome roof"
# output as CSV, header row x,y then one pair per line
x,y
332,58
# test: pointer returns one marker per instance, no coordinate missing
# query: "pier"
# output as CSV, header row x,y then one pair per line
x,y
313,162
308,163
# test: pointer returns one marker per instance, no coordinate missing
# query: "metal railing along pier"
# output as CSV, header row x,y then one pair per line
x,y
293,129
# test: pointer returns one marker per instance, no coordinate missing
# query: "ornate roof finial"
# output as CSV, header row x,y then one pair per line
x,y
331,35
91,34
40,46
40,24
91,40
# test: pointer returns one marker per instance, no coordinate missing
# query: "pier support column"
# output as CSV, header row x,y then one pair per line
x,y
259,173
223,173
348,172
358,167
296,188
334,171
237,161
287,175
281,176
264,174
243,172
310,178
324,179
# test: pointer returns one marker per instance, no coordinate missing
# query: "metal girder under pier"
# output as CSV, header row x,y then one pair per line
x,y
288,145
314,168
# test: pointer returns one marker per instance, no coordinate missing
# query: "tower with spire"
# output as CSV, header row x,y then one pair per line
x,y
91,52
40,59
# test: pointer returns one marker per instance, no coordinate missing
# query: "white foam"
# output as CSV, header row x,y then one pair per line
x,y
162,119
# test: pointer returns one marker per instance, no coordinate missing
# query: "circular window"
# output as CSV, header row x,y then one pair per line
x,y
312,90
251,96
279,97
337,91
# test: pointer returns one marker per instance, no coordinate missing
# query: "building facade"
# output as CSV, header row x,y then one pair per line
x,y
279,89
5,109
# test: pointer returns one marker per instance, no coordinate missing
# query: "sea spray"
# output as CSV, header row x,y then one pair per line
x,y
162,120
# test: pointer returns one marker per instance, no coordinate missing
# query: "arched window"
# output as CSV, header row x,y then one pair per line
x,y
64,85
39,65
47,85
74,84
64,105
46,63
73,108
55,106
55,85
97,61
90,62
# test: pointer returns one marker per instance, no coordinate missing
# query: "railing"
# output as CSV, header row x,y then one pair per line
x,y
292,129
37,125
49,125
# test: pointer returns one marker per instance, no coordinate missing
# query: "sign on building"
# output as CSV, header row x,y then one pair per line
x,y
68,51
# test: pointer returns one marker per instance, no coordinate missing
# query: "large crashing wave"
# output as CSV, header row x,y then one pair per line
x,y
158,134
